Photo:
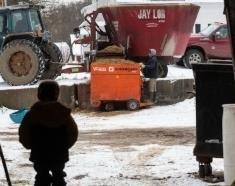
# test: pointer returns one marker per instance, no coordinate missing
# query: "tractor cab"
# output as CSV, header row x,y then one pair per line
x,y
19,20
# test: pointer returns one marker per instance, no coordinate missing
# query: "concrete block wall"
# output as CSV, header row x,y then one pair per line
x,y
173,91
168,92
25,98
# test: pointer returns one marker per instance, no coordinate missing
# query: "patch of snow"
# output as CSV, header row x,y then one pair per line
x,y
181,115
140,165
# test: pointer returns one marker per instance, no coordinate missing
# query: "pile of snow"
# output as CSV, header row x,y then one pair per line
x,y
181,114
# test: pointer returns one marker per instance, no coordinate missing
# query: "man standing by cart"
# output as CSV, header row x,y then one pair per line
x,y
150,71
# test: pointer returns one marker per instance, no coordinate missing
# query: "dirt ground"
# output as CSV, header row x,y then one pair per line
x,y
114,145
131,137
126,137
120,140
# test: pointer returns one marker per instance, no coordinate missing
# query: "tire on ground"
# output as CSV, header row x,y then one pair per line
x,y
162,69
21,63
193,56
53,54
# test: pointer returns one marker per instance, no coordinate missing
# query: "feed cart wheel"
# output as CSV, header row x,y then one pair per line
x,y
52,54
108,106
133,105
22,62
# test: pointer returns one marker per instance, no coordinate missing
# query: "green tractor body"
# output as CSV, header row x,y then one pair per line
x,y
26,53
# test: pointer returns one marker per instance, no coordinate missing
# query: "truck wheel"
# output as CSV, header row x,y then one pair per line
x,y
162,69
22,62
132,105
52,54
193,56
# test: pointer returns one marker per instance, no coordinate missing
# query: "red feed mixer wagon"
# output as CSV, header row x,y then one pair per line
x,y
164,26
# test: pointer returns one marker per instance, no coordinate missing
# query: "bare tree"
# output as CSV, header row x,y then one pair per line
x,y
61,20
41,2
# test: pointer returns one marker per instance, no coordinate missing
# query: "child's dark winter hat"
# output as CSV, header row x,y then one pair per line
x,y
48,90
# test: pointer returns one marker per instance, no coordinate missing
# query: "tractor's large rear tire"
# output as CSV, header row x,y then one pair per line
x,y
53,54
162,69
22,62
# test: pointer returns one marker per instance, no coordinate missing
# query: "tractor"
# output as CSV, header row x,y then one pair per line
x,y
26,51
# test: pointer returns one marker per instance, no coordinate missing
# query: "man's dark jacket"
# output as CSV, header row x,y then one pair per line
x,y
150,69
49,131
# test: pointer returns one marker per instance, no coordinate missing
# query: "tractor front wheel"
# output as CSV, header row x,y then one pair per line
x,y
54,61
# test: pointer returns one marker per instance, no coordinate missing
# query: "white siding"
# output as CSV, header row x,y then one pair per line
x,y
210,12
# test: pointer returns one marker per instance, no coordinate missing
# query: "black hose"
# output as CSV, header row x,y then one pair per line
x,y
5,167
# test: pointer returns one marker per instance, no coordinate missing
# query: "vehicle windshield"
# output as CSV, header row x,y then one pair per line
x,y
207,31
19,21
35,20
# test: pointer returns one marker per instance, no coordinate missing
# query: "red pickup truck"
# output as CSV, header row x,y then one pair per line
x,y
211,44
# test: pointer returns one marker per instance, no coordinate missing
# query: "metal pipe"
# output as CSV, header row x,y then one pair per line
x,y
5,167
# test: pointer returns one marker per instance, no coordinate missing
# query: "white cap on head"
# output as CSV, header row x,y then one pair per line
x,y
152,52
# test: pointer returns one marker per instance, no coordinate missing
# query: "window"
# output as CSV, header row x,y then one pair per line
x,y
207,31
2,23
19,22
34,20
198,28
222,33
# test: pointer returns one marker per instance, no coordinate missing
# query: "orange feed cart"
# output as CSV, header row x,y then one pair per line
x,y
116,82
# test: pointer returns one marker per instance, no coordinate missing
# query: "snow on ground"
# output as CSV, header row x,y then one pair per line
x,y
138,165
181,114
95,162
